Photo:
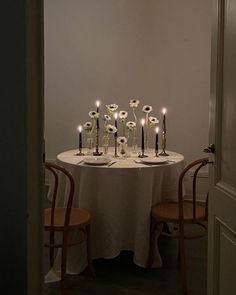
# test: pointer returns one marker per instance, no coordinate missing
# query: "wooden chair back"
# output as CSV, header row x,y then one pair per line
x,y
198,164
55,171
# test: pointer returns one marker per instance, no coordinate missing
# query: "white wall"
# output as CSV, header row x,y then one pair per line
x,y
155,50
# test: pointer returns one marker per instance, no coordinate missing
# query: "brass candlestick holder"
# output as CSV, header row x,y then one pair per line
x,y
97,153
142,154
164,153
80,152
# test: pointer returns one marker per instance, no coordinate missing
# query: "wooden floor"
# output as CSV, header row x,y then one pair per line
x,y
119,276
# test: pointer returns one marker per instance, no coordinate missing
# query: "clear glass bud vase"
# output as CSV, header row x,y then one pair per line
x,y
105,144
123,150
89,145
134,142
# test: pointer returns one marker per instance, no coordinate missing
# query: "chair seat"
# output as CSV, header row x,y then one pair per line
x,y
170,212
79,218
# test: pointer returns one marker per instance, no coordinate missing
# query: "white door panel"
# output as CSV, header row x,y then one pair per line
x,y
222,200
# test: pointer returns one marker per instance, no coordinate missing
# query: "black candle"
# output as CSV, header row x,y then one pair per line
x,y
98,104
116,116
156,143
164,119
116,133
142,143
80,137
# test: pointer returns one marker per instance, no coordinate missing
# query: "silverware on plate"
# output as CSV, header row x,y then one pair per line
x,y
111,163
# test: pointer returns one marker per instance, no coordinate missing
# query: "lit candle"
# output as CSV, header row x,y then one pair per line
x,y
97,105
142,142
115,135
115,117
164,119
80,137
156,143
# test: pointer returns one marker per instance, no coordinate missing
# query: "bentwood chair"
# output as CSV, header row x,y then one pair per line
x,y
63,220
179,213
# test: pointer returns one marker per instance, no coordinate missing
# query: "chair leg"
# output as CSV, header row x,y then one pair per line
x,y
152,239
88,247
182,259
63,261
51,249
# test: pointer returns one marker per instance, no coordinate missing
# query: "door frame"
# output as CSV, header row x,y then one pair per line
x,y
219,226
35,143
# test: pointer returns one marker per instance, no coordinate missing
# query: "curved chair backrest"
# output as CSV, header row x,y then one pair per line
x,y
55,169
199,164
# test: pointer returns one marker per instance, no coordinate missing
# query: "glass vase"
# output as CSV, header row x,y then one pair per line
x,y
146,144
123,150
89,146
134,142
105,144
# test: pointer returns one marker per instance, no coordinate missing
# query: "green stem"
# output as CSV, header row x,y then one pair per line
x,y
135,118
146,134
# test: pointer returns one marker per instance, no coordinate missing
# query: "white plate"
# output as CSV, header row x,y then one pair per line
x,y
153,160
96,160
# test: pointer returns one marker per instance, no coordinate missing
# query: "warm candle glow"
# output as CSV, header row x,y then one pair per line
x,y
79,128
164,110
97,103
142,122
157,129
116,116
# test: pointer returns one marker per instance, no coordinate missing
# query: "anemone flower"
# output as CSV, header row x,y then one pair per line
x,y
93,114
134,103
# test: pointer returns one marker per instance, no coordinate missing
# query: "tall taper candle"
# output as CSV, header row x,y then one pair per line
x,y
156,143
142,142
80,137
116,133
115,117
98,104
164,119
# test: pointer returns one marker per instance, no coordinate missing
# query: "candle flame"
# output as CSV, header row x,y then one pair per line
x,y
79,128
115,116
142,122
97,103
157,129
164,110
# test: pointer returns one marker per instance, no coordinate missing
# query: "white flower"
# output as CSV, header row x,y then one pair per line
x,y
111,129
88,126
131,125
122,140
107,118
93,114
153,120
112,107
134,103
147,109
123,115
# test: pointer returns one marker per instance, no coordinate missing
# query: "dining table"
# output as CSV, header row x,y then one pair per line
x,y
119,193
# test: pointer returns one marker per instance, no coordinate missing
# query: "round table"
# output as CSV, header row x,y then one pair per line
x,y
119,198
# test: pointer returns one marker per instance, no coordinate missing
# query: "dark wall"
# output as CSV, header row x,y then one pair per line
x,y
13,149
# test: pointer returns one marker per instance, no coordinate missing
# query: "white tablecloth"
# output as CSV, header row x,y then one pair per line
x,y
119,199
